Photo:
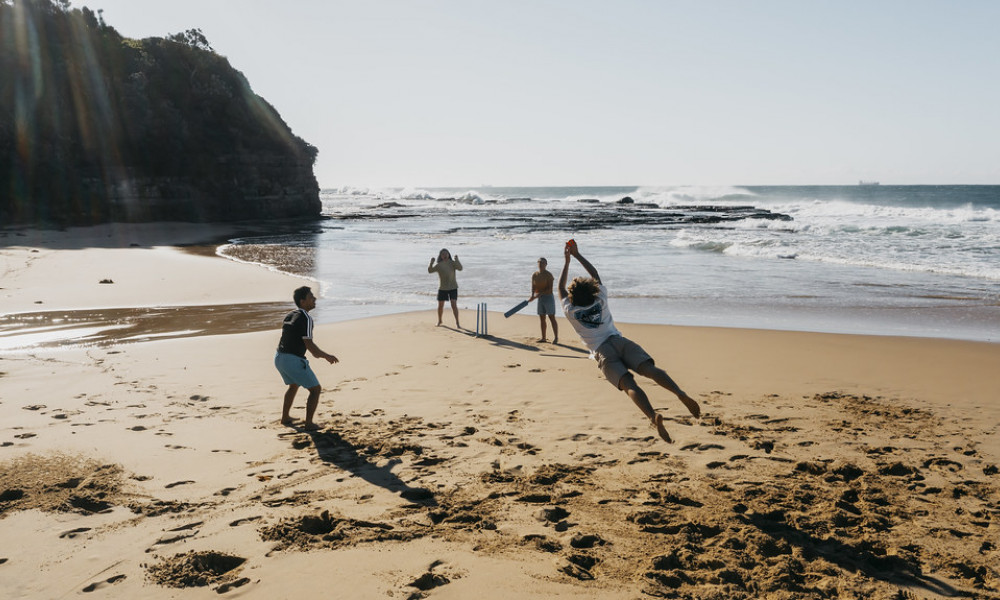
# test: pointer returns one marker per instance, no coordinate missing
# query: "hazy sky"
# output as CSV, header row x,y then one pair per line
x,y
620,92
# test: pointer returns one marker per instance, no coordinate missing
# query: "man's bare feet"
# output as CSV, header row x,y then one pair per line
x,y
310,427
691,405
555,340
660,429
287,422
543,341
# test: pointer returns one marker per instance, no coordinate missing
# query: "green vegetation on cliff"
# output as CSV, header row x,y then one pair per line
x,y
96,127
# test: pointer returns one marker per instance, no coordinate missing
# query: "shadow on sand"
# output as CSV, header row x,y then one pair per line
x,y
333,449
508,343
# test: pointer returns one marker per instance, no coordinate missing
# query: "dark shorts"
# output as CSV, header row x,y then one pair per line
x,y
617,355
447,295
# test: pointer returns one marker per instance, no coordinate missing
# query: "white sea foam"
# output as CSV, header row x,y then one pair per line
x,y
825,250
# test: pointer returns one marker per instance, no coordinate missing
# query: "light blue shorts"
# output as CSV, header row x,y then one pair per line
x,y
547,304
295,370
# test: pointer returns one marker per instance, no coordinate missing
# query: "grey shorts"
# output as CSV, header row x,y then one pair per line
x,y
547,304
617,355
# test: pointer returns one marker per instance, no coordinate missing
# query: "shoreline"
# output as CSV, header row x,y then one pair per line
x,y
448,465
37,296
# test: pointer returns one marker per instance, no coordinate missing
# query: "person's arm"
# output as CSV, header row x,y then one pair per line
x,y
562,276
431,268
315,351
586,265
458,265
534,288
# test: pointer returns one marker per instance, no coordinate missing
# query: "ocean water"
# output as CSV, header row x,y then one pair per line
x,y
877,259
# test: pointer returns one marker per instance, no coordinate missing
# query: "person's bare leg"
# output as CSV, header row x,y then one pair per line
x,y
632,389
454,309
649,369
286,417
541,319
440,310
555,329
311,404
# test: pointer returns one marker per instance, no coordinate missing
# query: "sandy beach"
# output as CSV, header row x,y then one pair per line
x,y
451,466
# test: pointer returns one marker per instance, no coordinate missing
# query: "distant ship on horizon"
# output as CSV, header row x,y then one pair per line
x,y
863,182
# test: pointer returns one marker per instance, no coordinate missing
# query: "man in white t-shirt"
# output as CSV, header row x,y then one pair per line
x,y
586,306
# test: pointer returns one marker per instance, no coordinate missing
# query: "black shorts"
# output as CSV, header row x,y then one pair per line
x,y
447,295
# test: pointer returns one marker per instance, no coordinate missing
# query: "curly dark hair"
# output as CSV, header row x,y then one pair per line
x,y
583,291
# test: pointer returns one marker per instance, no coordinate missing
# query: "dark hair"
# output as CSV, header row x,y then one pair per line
x,y
300,294
583,291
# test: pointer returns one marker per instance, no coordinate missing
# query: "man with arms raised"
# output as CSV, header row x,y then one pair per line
x,y
586,306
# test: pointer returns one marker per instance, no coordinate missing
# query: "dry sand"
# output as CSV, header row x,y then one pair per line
x,y
450,466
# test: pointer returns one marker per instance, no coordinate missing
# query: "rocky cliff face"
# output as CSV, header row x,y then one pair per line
x,y
115,129
243,188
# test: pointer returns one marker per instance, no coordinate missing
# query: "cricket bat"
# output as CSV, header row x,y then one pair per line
x,y
516,308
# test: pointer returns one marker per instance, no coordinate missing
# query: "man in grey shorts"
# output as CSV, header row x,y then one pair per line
x,y
541,288
585,304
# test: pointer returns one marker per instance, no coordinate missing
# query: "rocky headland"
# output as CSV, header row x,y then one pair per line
x,y
96,127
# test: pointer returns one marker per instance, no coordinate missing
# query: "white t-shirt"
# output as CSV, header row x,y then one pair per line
x,y
592,323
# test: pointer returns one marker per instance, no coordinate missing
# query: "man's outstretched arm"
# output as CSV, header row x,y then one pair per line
x,y
591,270
562,276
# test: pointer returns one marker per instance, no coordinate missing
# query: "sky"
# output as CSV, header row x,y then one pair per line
x,y
423,93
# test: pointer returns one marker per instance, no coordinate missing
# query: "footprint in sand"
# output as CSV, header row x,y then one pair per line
x,y
528,448
171,539
584,541
177,483
99,584
430,579
24,436
702,447
943,464
72,533
580,566
290,473
136,428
